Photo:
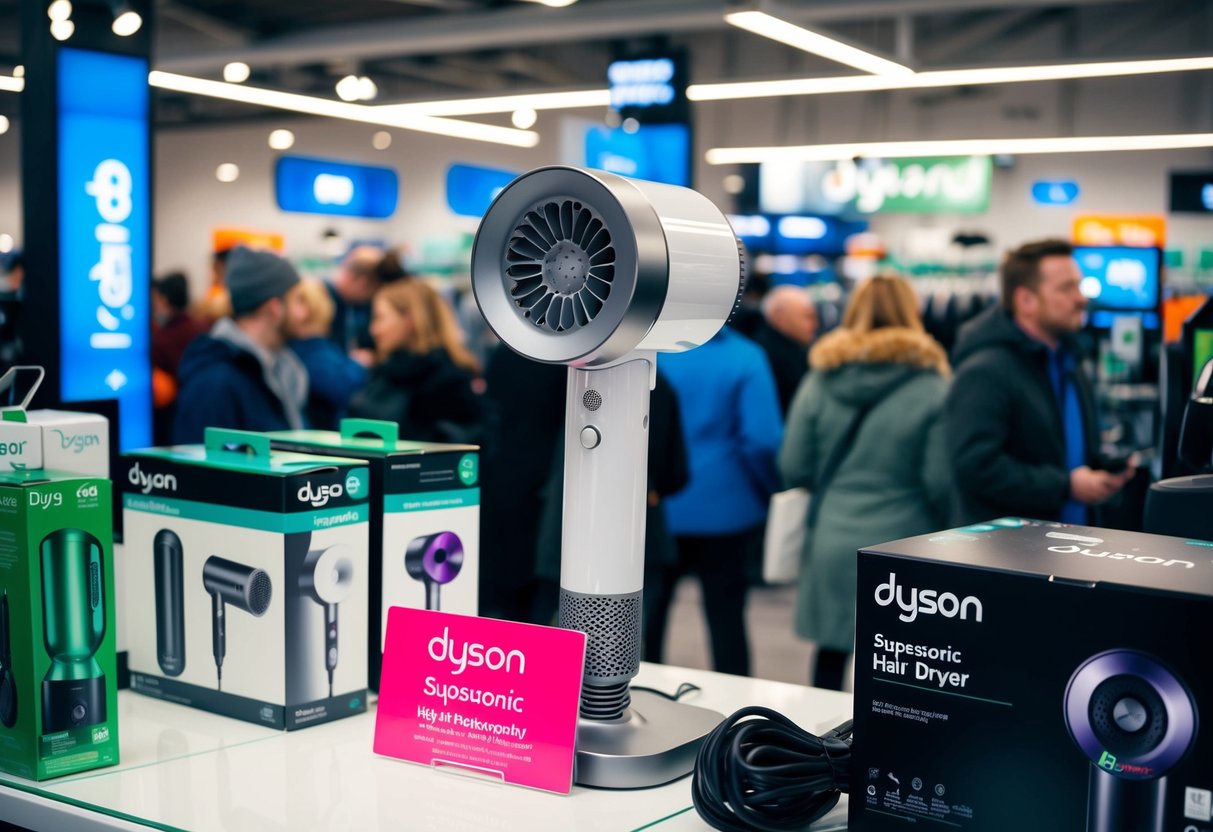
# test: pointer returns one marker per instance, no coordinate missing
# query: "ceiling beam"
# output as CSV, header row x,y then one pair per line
x,y
537,25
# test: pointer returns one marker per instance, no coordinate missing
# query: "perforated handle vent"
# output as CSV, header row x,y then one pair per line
x,y
561,265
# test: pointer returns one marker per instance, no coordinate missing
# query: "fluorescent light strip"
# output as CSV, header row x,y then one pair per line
x,y
339,109
813,86
10,83
572,100
961,147
943,78
768,26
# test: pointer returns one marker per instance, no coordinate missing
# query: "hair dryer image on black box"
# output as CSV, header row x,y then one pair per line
x,y
435,560
1135,720
73,626
8,682
320,579
244,587
170,602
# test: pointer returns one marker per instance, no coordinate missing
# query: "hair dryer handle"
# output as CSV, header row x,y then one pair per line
x,y
1115,804
218,629
330,637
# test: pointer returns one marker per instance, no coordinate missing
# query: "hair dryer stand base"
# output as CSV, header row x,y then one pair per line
x,y
654,742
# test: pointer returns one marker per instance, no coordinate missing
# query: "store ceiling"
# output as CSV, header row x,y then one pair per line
x,y
427,49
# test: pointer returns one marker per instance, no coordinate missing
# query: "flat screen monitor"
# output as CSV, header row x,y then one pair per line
x,y
1120,280
656,152
1192,193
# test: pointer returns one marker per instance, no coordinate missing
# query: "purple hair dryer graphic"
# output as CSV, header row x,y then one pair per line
x,y
1135,721
434,559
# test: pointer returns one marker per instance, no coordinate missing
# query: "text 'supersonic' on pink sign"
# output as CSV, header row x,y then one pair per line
x,y
492,696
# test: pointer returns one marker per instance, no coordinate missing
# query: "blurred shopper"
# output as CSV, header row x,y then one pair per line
x,y
517,465
241,375
333,377
216,303
730,419
870,413
173,329
11,349
1023,431
788,327
352,290
424,377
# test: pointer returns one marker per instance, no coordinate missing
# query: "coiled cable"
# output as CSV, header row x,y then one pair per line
x,y
760,771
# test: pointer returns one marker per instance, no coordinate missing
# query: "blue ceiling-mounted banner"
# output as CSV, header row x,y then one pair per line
x,y
471,189
656,152
795,234
325,186
105,236
1054,191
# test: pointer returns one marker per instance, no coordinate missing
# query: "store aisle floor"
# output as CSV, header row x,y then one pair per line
x,y
775,652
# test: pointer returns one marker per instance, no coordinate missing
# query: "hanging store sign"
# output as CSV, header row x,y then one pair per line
x,y
324,186
947,185
105,235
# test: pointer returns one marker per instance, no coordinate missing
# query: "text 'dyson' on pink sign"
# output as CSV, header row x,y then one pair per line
x,y
493,696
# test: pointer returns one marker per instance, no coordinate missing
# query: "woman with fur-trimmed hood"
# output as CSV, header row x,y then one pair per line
x,y
894,479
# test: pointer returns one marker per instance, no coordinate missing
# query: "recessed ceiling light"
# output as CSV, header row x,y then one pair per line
x,y
237,72
59,10
127,23
227,172
382,140
282,139
62,29
4,124
6,243
524,118
347,88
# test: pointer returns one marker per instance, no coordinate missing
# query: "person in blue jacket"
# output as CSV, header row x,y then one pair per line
x,y
333,376
732,425
240,374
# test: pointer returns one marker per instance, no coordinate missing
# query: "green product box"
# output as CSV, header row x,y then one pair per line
x,y
425,522
246,579
58,689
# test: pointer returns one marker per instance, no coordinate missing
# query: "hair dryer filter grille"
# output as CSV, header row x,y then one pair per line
x,y
260,589
612,626
1128,715
560,264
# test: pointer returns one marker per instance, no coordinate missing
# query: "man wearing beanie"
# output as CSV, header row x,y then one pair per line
x,y
240,375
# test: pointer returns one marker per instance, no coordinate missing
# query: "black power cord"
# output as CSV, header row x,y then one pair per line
x,y
760,771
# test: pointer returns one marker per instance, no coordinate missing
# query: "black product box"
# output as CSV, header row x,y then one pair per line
x,y
1022,675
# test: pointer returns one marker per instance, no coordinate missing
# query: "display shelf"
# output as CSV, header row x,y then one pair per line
x,y
187,769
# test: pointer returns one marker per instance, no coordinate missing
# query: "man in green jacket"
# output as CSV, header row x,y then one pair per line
x,y
1022,429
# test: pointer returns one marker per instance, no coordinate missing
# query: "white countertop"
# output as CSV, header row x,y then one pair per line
x,y
187,769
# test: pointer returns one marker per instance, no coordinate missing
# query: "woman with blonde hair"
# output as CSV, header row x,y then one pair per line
x,y
865,434
333,377
423,375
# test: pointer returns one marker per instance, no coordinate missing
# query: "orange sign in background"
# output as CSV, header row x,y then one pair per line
x,y
224,238
1145,231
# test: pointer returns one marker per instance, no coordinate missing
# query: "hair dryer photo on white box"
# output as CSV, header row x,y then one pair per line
x,y
244,587
435,560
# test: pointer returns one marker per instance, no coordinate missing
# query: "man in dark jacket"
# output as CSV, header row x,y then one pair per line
x,y
789,325
240,375
1022,430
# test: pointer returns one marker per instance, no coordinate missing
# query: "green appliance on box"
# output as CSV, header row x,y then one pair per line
x,y
73,627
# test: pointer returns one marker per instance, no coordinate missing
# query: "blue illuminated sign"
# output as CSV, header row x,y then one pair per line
x,y
471,189
1054,192
104,236
643,83
324,186
656,152
1118,279
794,234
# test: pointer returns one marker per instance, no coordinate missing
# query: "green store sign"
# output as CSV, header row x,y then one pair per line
x,y
946,184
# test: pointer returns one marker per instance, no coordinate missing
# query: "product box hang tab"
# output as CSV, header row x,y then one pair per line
x,y
58,705
246,582
425,522
1021,674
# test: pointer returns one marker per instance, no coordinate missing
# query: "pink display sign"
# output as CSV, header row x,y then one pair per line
x,y
491,696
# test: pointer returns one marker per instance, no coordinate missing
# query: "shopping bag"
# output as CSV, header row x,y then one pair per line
x,y
783,545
